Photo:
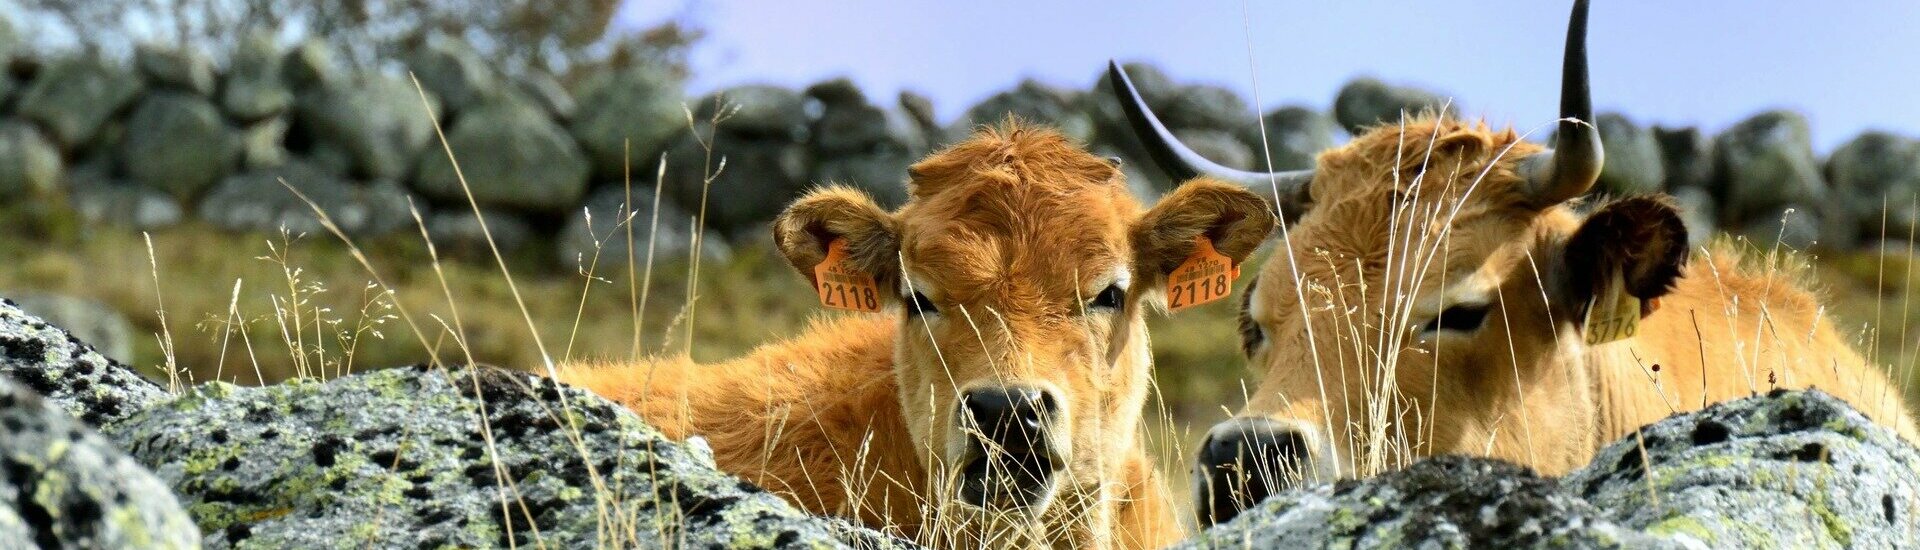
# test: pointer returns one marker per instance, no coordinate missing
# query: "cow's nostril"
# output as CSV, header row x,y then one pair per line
x,y
1012,416
1245,461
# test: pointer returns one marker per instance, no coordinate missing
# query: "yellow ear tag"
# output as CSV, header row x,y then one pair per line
x,y
1613,314
1205,276
841,286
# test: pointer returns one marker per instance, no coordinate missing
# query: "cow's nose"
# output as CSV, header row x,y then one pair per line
x,y
1243,461
1013,417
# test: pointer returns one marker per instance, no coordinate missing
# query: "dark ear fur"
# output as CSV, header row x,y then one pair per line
x,y
802,232
1642,238
1233,217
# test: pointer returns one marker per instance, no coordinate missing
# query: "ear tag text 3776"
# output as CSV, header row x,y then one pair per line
x,y
841,286
1205,276
1613,314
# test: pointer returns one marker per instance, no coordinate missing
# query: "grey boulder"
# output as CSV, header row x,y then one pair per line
x,y
379,120
1295,136
1764,163
69,373
1633,162
89,320
759,177
72,98
1440,502
596,235
185,70
29,163
396,458
1687,155
458,233
178,143
453,72
1876,178
255,200
1034,103
67,487
631,113
313,64
513,156
1367,102
1791,469
254,88
757,110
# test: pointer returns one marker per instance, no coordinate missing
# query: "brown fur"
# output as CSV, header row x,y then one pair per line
x,y
1009,233
1402,216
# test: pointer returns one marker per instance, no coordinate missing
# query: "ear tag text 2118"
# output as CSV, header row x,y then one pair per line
x,y
841,286
1205,276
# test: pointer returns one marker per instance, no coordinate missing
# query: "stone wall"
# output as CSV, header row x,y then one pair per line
x,y
167,136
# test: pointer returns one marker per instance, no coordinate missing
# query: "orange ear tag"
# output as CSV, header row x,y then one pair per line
x,y
1206,276
841,286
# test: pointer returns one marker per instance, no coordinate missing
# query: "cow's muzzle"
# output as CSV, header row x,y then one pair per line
x,y
1009,460
1244,460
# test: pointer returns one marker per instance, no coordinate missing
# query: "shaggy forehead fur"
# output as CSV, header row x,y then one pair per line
x,y
1017,215
1395,195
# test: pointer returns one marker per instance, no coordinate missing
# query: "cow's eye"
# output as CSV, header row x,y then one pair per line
x,y
920,305
1109,298
1459,318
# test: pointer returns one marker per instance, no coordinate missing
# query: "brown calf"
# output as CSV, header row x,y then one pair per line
x,y
999,400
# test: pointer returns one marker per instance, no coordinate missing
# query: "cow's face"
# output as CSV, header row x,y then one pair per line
x,y
1425,306
1020,269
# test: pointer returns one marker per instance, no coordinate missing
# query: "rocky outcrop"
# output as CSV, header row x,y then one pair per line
x,y
74,97
64,486
1792,469
53,363
1367,102
427,457
513,156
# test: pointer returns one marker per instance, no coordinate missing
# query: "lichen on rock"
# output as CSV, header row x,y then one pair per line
x,y
1792,469
69,373
437,458
64,486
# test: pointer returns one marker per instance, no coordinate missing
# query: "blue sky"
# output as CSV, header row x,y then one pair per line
x,y
1849,66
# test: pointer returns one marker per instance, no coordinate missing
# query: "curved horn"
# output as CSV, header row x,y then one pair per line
x,y
1182,163
1573,165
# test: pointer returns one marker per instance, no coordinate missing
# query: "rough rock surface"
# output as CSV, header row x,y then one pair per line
x,y
1876,177
1633,164
397,457
860,144
458,234
178,143
378,120
1687,155
1763,163
513,156
69,373
89,320
452,71
1442,502
29,163
671,235
1792,469
639,106
254,89
186,70
64,486
761,176
1366,102
74,98
1295,136
1033,102
256,201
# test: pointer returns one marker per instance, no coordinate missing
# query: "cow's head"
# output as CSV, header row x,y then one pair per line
x,y
1430,299
1019,268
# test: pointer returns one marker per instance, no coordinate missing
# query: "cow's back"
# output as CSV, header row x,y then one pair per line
x,y
1732,329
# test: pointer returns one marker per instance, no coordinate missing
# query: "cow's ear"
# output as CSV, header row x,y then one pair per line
x,y
1641,238
1232,217
804,230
